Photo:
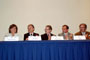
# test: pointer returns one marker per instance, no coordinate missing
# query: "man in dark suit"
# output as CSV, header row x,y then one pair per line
x,y
31,29
47,35
83,28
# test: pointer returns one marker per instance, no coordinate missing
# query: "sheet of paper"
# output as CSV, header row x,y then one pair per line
x,y
57,38
34,38
11,38
79,38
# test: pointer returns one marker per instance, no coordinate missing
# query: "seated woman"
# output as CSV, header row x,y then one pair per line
x,y
12,36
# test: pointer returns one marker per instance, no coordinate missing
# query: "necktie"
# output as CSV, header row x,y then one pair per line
x,y
31,34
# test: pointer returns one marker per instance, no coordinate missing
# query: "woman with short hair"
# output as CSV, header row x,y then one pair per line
x,y
12,35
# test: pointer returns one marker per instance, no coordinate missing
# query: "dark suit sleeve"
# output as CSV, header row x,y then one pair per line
x,y
42,37
37,34
25,36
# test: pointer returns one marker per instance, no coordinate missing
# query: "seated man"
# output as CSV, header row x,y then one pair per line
x,y
47,35
30,32
66,35
83,28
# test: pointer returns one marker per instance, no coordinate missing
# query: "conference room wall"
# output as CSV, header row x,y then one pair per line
x,y
41,13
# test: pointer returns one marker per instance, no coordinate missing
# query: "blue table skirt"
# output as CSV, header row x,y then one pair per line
x,y
45,50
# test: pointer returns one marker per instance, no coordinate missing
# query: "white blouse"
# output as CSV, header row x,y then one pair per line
x,y
9,37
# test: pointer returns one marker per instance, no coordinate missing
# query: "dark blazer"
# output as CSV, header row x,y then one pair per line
x,y
27,34
45,36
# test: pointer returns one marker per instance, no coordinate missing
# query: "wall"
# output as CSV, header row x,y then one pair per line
x,y
43,12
